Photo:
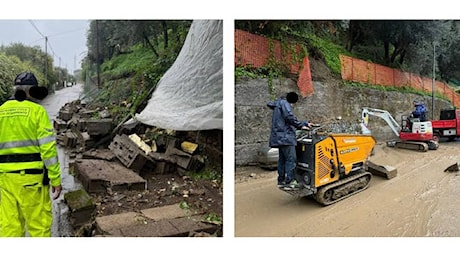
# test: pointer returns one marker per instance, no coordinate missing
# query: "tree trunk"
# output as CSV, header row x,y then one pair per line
x,y
165,32
146,38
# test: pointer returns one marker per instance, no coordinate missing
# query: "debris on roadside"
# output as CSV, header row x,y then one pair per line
x,y
112,163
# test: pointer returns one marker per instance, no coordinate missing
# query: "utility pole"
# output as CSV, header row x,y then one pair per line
x,y
434,81
97,55
46,61
60,80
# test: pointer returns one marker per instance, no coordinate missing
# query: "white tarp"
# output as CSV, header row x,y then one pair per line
x,y
189,95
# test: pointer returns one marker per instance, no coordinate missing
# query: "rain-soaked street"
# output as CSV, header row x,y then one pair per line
x,y
53,103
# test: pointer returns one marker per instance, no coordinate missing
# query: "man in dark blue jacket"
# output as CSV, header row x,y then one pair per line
x,y
419,111
283,137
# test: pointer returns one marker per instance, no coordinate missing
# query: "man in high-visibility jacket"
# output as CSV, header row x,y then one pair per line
x,y
29,162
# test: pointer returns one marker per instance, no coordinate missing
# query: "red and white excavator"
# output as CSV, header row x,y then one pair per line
x,y
413,134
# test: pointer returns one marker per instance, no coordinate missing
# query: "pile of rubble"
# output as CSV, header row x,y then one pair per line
x,y
104,158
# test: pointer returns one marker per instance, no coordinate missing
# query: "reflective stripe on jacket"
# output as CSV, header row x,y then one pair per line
x,y
26,132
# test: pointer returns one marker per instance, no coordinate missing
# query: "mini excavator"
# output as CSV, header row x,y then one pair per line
x,y
413,134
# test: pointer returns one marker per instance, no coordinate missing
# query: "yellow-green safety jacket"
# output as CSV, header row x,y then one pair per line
x,y
27,140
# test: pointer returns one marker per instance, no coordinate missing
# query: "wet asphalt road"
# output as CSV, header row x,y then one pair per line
x,y
53,103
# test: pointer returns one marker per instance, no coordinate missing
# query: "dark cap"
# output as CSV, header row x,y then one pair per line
x,y
29,79
26,79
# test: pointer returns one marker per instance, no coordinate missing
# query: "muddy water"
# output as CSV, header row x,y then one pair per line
x,y
421,201
53,103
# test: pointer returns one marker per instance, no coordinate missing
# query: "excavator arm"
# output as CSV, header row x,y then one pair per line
x,y
385,115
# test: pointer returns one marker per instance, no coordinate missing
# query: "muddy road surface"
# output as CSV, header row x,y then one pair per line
x,y
421,201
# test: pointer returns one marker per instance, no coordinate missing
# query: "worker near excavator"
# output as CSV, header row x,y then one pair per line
x,y
283,137
29,162
419,111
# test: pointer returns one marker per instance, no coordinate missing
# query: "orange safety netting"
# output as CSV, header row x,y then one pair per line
x,y
357,70
256,51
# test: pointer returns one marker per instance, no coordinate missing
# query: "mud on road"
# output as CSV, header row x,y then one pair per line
x,y
421,201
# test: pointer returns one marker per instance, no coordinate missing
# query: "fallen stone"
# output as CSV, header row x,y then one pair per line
x,y
166,212
99,126
386,171
107,223
81,206
166,221
177,227
98,175
129,154
103,154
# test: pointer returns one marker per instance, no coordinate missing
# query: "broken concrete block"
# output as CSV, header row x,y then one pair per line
x,y
85,113
81,205
98,126
128,152
65,115
70,139
103,154
163,167
141,144
386,171
181,158
81,125
98,175
59,125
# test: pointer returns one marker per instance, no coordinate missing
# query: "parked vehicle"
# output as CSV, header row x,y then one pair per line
x,y
267,157
448,125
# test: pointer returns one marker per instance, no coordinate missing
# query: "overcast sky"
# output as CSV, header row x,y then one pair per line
x,y
66,38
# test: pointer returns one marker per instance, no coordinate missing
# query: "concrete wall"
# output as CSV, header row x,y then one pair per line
x,y
330,99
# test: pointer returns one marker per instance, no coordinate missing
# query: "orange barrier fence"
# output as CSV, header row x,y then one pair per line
x,y
256,51
357,70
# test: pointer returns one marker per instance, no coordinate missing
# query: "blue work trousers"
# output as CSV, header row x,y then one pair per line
x,y
286,163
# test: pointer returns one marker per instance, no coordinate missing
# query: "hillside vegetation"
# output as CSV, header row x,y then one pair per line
x,y
413,46
126,59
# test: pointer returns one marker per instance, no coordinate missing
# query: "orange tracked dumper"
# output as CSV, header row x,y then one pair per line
x,y
331,167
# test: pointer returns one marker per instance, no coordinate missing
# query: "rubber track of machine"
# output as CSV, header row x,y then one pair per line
x,y
416,146
320,195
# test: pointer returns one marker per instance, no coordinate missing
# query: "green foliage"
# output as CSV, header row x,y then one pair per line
x,y
184,205
10,67
213,218
139,60
35,59
311,45
327,51
136,55
404,89
208,173
274,68
247,72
